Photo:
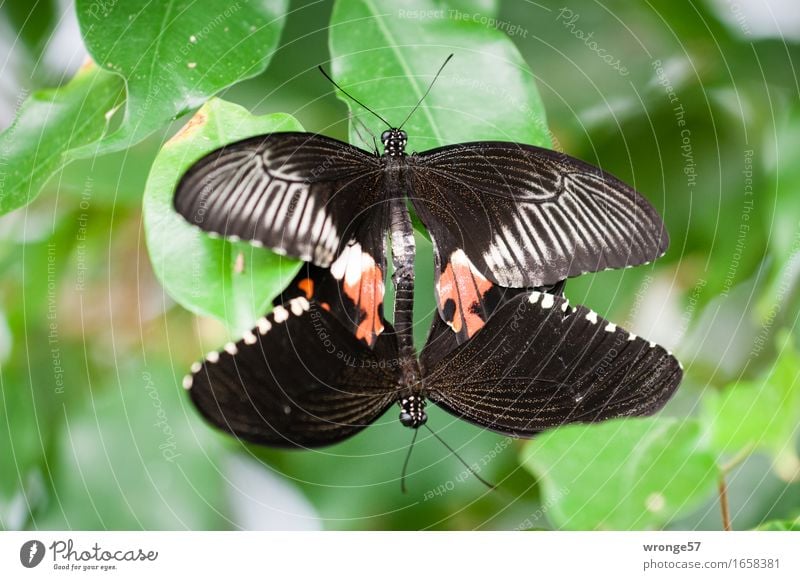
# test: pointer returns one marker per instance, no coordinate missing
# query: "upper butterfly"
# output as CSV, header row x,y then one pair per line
x,y
503,217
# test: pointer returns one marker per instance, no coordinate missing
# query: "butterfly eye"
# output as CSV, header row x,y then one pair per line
x,y
385,136
407,419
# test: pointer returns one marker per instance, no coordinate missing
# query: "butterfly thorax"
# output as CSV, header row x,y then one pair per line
x,y
394,142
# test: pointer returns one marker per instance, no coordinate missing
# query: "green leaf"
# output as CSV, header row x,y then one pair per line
x,y
176,54
199,272
622,474
50,123
780,526
386,53
762,414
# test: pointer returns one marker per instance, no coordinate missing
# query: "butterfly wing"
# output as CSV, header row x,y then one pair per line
x,y
298,379
465,298
526,216
352,289
295,193
539,363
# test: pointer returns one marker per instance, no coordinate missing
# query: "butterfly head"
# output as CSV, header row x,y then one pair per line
x,y
412,411
394,142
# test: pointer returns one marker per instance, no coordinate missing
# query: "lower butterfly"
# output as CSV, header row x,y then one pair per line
x,y
325,363
301,378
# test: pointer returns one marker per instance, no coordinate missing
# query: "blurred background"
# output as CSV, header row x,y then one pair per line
x,y
694,103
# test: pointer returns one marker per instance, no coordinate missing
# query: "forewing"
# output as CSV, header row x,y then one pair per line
x,y
296,193
465,298
298,379
527,216
353,287
539,363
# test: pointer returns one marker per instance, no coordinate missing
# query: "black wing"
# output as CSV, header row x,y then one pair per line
x,y
529,217
539,363
298,379
465,299
296,193
353,287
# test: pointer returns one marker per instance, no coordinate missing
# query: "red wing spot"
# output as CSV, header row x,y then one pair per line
x,y
306,285
461,291
367,294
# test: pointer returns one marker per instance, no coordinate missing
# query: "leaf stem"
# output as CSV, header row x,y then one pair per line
x,y
723,502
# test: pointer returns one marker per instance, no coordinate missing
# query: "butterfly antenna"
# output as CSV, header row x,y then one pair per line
x,y
351,97
441,68
464,463
405,463
356,122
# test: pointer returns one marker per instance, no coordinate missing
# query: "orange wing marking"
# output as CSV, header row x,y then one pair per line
x,y
464,287
363,284
306,285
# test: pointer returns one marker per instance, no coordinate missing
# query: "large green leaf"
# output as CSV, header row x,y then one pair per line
x,y
203,274
176,54
623,474
49,124
762,414
386,53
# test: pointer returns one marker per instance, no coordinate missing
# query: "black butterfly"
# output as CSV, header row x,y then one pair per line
x,y
505,218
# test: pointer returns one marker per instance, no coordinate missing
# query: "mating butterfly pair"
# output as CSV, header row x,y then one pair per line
x,y
509,223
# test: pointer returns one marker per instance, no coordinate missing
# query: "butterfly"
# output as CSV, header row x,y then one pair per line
x,y
509,223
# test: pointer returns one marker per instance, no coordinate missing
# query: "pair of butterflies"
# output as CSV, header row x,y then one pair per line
x,y
509,223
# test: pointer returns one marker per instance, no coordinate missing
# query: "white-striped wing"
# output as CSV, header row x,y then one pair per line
x,y
527,216
296,193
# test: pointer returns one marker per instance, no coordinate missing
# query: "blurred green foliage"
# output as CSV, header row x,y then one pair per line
x,y
681,100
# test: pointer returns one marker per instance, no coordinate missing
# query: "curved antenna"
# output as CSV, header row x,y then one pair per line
x,y
333,82
355,120
405,463
428,91
464,463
